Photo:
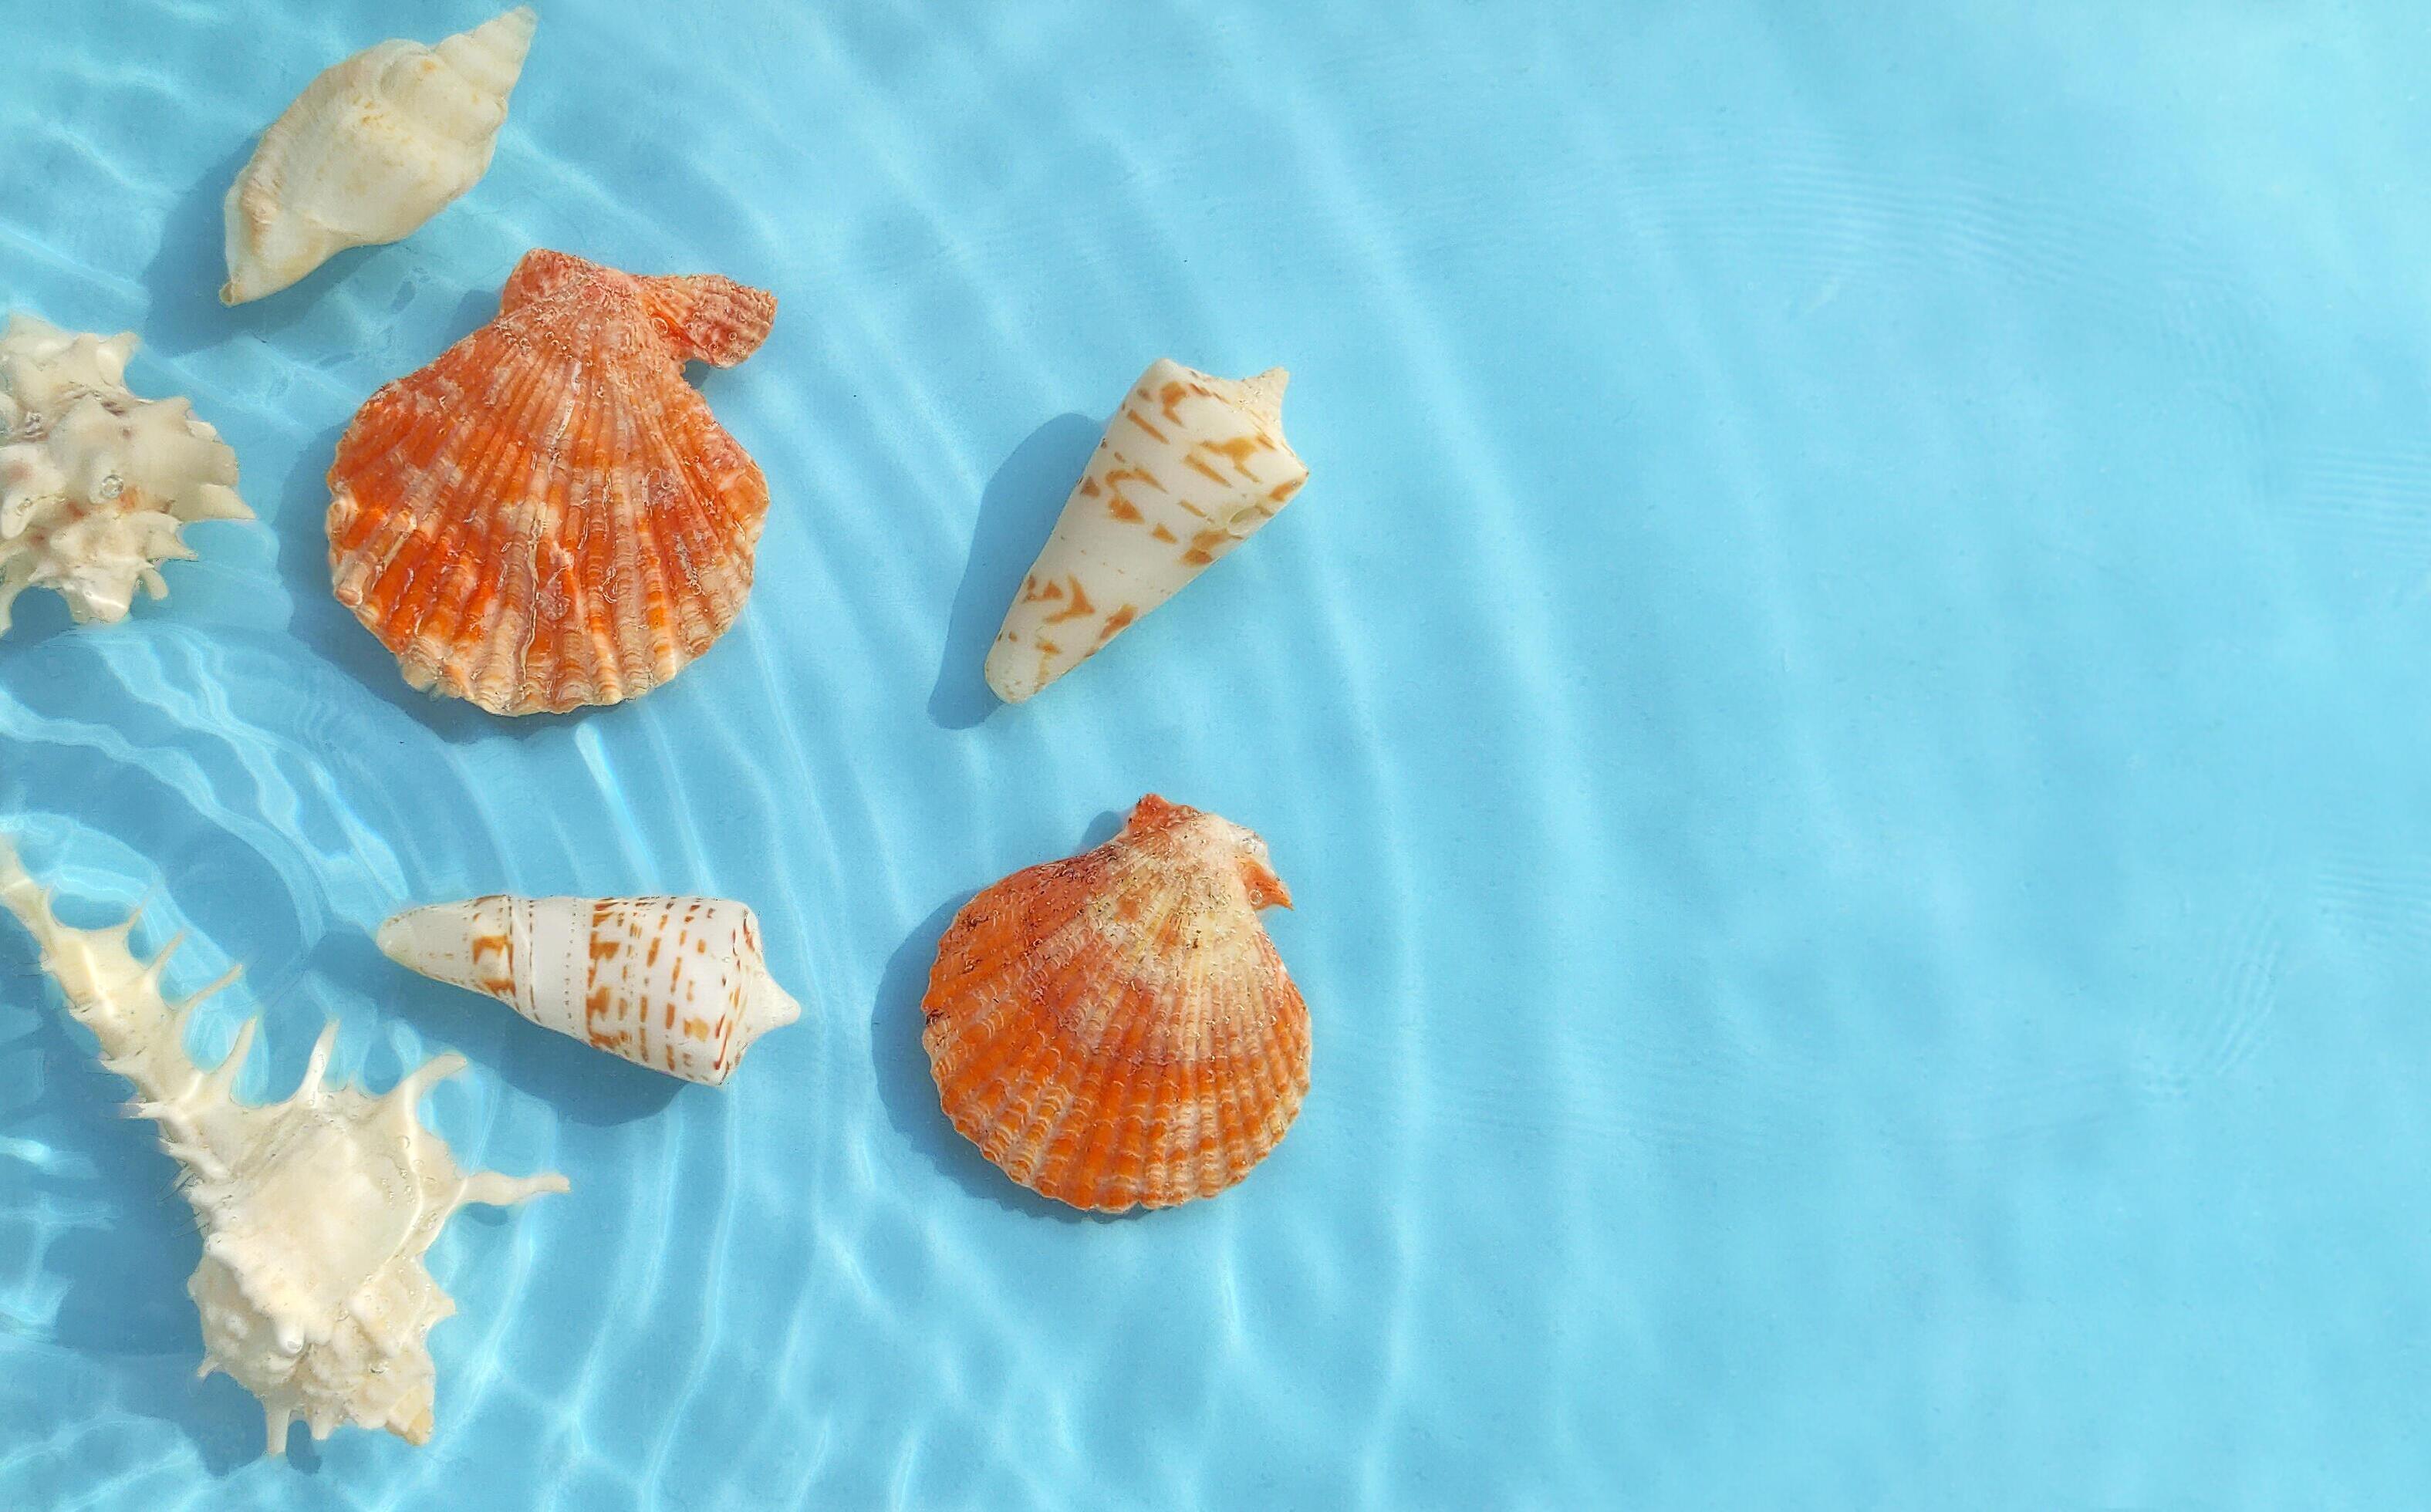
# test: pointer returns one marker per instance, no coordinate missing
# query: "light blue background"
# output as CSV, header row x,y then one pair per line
x,y
1846,708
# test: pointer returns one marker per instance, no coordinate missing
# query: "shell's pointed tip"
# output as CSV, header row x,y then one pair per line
x,y
1267,890
1002,681
514,25
394,936
414,1430
496,1189
1261,394
777,1007
1153,809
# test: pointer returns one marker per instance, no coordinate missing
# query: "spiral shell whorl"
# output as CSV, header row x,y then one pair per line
x,y
376,145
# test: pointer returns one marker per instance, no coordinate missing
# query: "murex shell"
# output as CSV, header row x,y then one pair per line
x,y
1189,467
375,146
314,1212
1115,1028
678,984
95,483
549,515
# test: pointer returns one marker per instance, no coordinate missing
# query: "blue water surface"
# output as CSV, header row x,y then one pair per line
x,y
1845,709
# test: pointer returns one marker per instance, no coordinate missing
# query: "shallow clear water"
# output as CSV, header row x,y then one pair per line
x,y
1844,710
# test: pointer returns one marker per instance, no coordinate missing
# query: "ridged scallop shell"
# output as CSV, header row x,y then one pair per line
x,y
1190,466
376,145
1115,1029
549,515
96,483
678,984
315,1212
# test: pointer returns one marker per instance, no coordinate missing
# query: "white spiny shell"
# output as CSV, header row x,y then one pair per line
x,y
314,1212
1190,467
678,984
375,146
94,483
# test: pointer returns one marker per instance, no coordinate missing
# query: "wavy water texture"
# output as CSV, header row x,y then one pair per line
x,y
1843,710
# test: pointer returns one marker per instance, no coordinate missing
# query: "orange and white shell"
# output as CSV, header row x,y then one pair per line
x,y
549,515
678,984
1190,467
1115,1029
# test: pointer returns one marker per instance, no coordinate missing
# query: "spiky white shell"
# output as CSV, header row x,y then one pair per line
x,y
1190,466
375,146
95,482
314,1212
678,984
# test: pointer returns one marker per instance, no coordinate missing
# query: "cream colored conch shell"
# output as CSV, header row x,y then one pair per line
x,y
375,146
95,482
673,983
1190,467
314,1212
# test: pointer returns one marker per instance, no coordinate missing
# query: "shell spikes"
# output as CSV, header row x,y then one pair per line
x,y
1189,468
673,983
315,1212
96,483
375,146
1115,1029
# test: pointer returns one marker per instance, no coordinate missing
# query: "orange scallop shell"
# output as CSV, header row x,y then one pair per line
x,y
549,515
1115,1029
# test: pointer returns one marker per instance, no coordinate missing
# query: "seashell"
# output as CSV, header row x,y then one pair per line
x,y
314,1212
375,146
1115,1028
1189,468
95,482
549,515
673,983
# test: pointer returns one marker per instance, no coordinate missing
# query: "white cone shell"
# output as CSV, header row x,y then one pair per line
x,y
1189,467
375,146
96,483
314,1212
678,984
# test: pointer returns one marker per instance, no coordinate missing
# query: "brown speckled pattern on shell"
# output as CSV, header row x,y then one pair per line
x,y
679,985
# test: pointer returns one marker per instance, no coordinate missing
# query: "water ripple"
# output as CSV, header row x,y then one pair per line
x,y
1843,708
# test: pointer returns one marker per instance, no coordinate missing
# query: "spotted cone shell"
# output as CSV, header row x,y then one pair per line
x,y
1115,1029
678,984
549,515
